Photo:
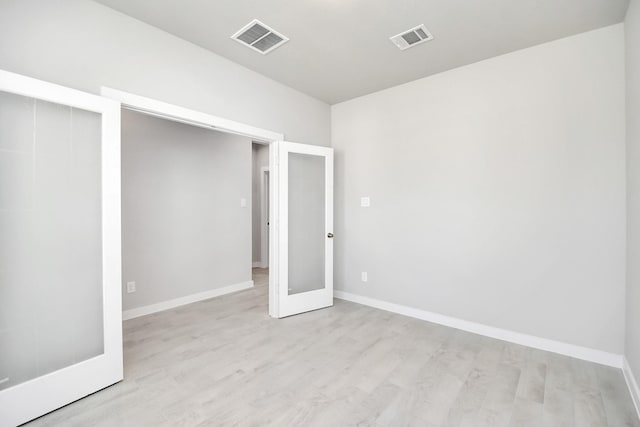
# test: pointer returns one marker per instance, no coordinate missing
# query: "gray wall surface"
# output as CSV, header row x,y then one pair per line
x,y
183,228
632,33
85,45
260,159
497,192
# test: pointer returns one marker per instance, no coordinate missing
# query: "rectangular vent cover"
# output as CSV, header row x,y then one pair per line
x,y
259,37
411,38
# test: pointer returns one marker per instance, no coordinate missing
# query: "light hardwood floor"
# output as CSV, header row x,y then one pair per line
x,y
260,276
224,362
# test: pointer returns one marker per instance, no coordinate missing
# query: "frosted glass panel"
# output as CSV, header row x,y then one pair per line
x,y
306,222
50,238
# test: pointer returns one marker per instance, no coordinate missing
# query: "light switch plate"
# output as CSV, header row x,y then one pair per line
x,y
364,276
131,287
243,203
365,202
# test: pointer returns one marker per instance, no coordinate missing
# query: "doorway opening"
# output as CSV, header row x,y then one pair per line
x,y
195,118
300,253
186,213
260,214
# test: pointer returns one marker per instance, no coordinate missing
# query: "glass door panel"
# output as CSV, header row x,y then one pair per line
x,y
306,223
51,246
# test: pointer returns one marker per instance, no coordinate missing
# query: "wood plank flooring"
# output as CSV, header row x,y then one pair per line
x,y
260,276
224,362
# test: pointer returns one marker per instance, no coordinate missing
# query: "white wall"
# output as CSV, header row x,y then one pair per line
x,y
85,45
260,158
183,229
632,33
497,192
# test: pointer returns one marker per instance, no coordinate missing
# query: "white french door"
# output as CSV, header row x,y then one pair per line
x,y
60,287
304,271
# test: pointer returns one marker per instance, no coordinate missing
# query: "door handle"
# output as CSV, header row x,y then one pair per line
x,y
330,235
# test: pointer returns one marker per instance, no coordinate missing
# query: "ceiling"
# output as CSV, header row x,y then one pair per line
x,y
340,49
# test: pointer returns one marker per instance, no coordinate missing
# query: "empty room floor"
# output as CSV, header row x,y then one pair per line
x,y
225,362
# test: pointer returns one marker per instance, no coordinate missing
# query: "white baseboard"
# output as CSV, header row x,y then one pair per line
x,y
631,384
166,305
584,353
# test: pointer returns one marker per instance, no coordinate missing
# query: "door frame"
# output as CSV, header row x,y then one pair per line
x,y
258,135
264,217
43,394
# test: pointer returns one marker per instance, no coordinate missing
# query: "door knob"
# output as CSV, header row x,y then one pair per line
x,y
330,235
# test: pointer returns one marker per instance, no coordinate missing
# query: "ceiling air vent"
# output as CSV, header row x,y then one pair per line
x,y
259,37
411,38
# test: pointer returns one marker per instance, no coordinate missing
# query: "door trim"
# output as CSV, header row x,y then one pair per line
x,y
177,113
264,217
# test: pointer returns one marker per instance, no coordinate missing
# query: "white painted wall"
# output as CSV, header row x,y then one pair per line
x,y
497,192
260,159
632,33
85,45
183,229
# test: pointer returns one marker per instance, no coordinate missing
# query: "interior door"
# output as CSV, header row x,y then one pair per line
x,y
305,208
60,287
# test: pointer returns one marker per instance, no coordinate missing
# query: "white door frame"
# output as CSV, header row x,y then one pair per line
x,y
26,401
262,136
264,217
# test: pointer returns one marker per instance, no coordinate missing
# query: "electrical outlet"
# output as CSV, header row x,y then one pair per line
x,y
365,202
364,276
131,287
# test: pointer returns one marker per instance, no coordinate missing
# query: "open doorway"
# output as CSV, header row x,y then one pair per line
x,y
290,186
260,214
186,213
176,113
